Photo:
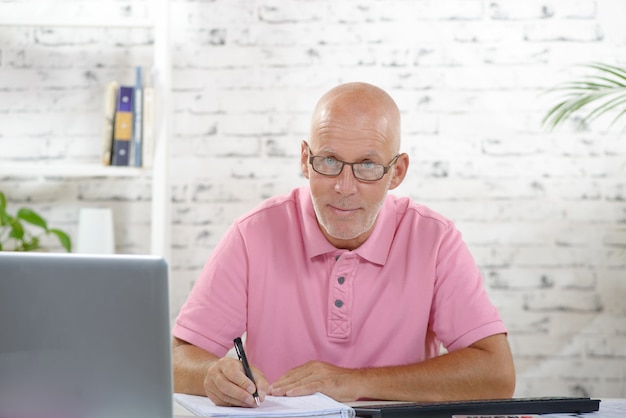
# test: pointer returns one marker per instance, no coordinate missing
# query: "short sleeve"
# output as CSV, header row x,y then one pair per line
x,y
215,311
462,312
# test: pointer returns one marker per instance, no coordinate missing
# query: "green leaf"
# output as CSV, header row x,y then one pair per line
x,y
17,230
597,93
65,240
32,217
31,245
5,219
15,237
618,72
4,216
605,107
619,115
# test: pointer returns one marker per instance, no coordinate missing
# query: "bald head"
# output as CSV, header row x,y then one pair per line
x,y
360,107
356,124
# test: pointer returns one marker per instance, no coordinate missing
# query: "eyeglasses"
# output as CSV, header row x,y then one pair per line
x,y
365,171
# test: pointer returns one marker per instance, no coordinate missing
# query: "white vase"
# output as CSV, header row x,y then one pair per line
x,y
95,231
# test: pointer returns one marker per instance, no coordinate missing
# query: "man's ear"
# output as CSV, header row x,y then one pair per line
x,y
304,160
399,170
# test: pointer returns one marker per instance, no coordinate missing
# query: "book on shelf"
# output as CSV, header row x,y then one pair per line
x,y
137,120
110,104
129,132
123,130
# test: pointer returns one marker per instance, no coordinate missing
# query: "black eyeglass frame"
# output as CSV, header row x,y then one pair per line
x,y
344,163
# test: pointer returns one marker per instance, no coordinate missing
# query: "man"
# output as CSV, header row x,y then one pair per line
x,y
342,288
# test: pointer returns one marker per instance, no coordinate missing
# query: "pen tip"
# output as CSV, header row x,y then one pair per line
x,y
258,402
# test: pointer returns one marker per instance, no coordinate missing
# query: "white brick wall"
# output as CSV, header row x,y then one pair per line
x,y
543,212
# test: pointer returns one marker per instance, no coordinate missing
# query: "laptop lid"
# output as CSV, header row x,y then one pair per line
x,y
84,336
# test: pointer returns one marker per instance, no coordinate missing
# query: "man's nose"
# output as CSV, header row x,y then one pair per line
x,y
346,182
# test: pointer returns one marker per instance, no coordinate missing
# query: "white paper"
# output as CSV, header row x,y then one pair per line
x,y
273,406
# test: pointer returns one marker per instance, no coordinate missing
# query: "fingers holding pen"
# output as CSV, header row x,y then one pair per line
x,y
226,384
260,383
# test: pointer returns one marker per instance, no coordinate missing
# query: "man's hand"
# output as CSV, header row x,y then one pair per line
x,y
316,376
222,380
481,371
226,384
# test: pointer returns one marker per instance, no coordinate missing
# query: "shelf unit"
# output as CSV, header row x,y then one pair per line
x,y
161,78
35,169
73,23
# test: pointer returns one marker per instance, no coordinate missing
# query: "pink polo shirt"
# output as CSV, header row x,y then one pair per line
x,y
410,286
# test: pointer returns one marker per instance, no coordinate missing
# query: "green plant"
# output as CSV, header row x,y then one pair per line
x,y
601,92
15,236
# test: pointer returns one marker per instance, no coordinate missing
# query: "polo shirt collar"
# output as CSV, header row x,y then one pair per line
x,y
375,249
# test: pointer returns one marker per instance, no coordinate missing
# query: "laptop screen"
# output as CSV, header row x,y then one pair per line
x,y
84,336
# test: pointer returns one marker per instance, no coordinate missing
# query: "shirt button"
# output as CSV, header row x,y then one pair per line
x,y
341,280
338,303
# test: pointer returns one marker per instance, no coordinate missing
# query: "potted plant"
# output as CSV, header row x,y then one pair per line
x,y
601,92
15,235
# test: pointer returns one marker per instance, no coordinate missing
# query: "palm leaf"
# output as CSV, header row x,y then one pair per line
x,y
596,94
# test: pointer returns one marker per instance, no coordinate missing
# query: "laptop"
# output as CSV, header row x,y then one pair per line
x,y
84,336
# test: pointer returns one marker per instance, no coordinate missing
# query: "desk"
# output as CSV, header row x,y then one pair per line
x,y
609,408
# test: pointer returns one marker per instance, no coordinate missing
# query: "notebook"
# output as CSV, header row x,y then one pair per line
x,y
314,405
84,336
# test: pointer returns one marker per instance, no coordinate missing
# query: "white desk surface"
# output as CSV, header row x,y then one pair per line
x,y
609,408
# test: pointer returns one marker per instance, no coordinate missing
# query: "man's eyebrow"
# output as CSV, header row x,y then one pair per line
x,y
367,154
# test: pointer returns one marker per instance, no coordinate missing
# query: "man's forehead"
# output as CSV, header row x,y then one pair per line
x,y
353,147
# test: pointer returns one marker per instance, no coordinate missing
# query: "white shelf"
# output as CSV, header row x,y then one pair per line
x,y
37,169
75,23
159,22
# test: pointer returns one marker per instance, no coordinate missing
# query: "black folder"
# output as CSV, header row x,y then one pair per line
x,y
542,405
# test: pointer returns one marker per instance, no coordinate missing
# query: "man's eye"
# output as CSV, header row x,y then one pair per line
x,y
367,165
330,161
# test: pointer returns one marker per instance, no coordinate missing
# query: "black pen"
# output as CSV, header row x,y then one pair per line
x,y
246,366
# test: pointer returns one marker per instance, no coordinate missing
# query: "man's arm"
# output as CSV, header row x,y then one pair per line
x,y
481,371
222,379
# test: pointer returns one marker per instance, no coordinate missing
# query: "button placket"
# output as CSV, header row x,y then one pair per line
x,y
340,297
